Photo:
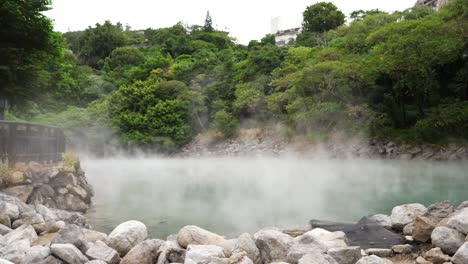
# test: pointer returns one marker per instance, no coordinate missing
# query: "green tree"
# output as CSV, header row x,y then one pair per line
x,y
97,43
208,27
322,17
27,43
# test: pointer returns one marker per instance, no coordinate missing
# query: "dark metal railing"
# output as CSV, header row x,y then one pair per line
x,y
30,142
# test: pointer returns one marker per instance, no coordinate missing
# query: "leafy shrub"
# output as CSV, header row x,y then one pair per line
x,y
225,123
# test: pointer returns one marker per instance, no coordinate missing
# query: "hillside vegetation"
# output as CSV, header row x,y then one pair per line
x,y
400,76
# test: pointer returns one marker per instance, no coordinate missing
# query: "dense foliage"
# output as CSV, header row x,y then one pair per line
x,y
402,76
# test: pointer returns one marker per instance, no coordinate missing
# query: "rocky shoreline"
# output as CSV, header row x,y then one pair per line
x,y
266,142
413,233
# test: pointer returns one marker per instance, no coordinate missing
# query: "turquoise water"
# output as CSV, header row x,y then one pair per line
x,y
234,195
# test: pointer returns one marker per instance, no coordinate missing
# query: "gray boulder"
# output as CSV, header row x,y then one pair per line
x,y
36,254
459,221
96,262
245,243
21,192
91,236
402,249
204,254
447,239
436,256
347,255
9,209
23,232
100,251
273,245
382,220
71,234
68,253
406,213
5,220
127,235
461,256
373,260
194,235
4,230
34,219
380,252
146,252
299,250
171,252
4,261
316,258
51,260
323,239
15,251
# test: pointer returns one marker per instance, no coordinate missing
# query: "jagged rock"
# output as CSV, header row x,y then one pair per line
x,y
64,180
421,260
56,227
462,205
100,251
5,220
204,254
402,249
380,252
44,240
34,219
381,219
347,255
51,260
171,252
47,214
273,245
436,256
423,228
405,214
459,221
447,239
245,243
127,235
72,218
68,253
323,239
408,229
438,211
297,251
71,234
373,260
9,209
92,236
146,252
46,191
79,192
194,235
23,232
21,192
4,230
15,251
461,256
36,254
316,258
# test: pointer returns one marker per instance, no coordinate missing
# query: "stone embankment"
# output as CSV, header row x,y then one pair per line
x,y
260,143
412,233
58,186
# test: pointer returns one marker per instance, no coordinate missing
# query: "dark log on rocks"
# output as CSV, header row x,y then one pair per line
x,y
365,234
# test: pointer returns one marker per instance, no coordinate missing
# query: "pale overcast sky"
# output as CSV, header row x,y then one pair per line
x,y
245,19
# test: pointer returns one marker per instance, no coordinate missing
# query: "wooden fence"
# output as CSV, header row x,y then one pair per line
x,y
30,142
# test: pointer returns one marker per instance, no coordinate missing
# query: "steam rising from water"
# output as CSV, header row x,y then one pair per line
x,y
234,195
